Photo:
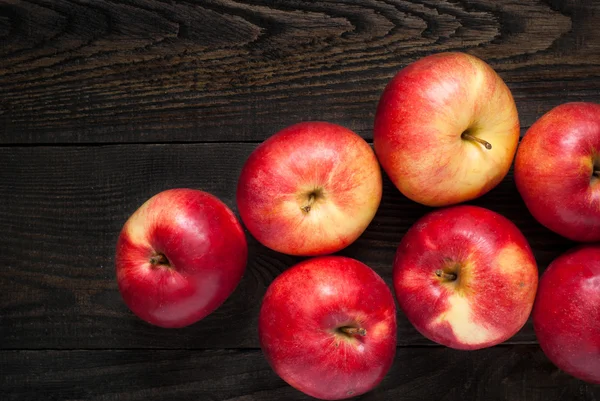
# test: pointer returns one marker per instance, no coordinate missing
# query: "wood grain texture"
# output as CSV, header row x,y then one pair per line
x,y
62,210
518,373
225,70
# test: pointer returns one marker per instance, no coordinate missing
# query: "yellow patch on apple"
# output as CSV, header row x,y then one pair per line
x,y
458,317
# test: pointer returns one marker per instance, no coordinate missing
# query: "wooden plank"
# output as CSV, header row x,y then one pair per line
x,y
158,71
516,373
62,210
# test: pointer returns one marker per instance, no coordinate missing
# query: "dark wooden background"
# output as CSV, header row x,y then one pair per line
x,y
105,103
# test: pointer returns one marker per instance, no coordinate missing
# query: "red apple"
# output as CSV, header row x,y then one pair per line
x,y
566,314
327,326
179,256
557,170
465,277
446,129
310,189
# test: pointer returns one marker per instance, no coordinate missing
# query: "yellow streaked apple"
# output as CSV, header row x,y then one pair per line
x,y
446,129
310,189
465,277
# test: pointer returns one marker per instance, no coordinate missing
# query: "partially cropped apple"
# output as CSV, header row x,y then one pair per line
x,y
557,170
566,314
179,256
465,277
327,327
310,189
446,129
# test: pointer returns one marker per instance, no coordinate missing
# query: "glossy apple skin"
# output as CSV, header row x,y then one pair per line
x,y
553,170
496,277
299,316
311,157
206,248
566,314
421,116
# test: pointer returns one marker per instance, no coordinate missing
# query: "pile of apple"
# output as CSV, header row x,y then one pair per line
x,y
446,132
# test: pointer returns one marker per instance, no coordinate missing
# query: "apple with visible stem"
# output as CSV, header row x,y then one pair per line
x,y
465,277
327,327
557,170
446,129
566,313
310,189
179,256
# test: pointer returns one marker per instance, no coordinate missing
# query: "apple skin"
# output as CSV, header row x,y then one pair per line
x,y
300,320
206,251
419,123
496,277
566,314
327,162
554,170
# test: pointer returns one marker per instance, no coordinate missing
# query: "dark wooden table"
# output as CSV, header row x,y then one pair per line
x,y
105,103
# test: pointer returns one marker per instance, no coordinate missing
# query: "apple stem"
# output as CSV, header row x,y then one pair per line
x,y
311,199
353,330
159,259
470,137
446,276
596,173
